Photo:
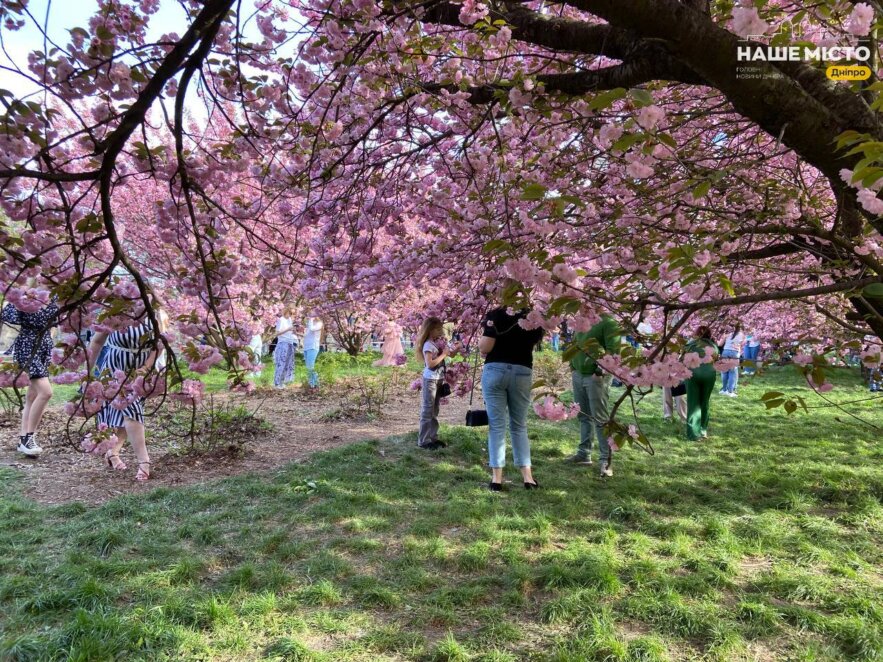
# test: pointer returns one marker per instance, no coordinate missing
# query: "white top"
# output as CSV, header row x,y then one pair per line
x,y
313,333
430,346
734,343
257,345
288,336
645,329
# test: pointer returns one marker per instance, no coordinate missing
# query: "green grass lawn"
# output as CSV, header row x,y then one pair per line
x,y
763,543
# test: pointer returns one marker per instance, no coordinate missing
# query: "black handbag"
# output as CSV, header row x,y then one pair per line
x,y
680,389
475,418
444,390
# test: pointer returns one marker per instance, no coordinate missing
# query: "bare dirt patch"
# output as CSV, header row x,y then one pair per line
x,y
63,474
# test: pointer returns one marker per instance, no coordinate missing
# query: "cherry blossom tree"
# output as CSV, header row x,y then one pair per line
x,y
610,155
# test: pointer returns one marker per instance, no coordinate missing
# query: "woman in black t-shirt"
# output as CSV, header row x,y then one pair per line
x,y
506,386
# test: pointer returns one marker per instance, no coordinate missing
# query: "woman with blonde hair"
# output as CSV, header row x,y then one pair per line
x,y
430,346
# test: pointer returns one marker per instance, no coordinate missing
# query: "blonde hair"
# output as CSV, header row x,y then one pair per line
x,y
429,325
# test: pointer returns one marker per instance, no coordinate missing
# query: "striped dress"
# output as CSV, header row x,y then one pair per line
x,y
127,350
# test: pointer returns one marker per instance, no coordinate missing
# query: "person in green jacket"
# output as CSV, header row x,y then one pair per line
x,y
591,389
701,385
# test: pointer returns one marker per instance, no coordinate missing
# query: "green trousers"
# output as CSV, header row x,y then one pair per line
x,y
699,389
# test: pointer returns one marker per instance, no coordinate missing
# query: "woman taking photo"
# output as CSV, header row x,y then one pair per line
x,y
506,383
701,384
430,343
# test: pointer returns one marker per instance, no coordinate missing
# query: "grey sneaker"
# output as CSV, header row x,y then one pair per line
x,y
28,445
606,471
576,458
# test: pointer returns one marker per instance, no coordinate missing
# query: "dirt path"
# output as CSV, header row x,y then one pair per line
x,y
63,474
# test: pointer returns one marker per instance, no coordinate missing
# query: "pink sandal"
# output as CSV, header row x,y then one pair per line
x,y
114,461
142,474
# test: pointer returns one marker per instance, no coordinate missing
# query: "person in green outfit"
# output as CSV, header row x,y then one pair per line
x,y
591,389
700,385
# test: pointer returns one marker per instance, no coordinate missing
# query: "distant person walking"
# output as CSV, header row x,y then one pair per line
x,y
312,343
751,354
732,350
256,346
392,346
283,355
700,385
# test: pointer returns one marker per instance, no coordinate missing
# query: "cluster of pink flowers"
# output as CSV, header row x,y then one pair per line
x,y
12,376
552,409
192,391
861,19
746,22
99,442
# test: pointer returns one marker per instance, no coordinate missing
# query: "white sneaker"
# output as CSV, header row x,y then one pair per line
x,y
722,392
28,446
606,471
732,394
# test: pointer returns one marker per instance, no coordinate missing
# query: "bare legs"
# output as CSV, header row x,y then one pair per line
x,y
38,396
135,433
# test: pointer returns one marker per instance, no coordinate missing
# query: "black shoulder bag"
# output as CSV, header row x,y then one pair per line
x,y
475,418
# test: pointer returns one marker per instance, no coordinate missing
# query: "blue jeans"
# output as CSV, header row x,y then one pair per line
x,y
556,338
731,376
750,354
310,361
99,362
506,390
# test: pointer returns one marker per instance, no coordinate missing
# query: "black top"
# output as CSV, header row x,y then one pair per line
x,y
514,343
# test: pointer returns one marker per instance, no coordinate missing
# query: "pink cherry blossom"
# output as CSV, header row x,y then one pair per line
x,y
746,22
861,19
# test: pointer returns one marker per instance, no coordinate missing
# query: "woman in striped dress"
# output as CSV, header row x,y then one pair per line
x,y
128,350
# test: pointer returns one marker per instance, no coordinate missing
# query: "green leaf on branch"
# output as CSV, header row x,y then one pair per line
x,y
496,246
790,406
702,190
627,142
771,395
667,140
605,99
874,291
641,97
772,404
533,191
850,137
